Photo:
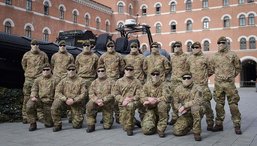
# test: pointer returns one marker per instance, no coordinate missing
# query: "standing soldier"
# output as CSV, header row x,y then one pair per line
x,y
179,66
226,65
42,95
155,60
189,102
114,65
155,97
32,62
70,92
126,91
199,67
100,98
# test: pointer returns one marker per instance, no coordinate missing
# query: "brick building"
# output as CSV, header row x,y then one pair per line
x,y
185,20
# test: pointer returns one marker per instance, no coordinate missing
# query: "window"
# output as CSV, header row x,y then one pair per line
x,y
107,26
205,23
225,2
29,5
97,23
250,1
46,35
188,5
87,21
158,9
46,8
61,12
241,1
8,27
173,7
144,12
226,21
241,20
251,19
144,48
206,46
8,2
189,49
120,7
75,16
252,43
205,4
189,25
130,10
28,31
158,28
242,43
173,27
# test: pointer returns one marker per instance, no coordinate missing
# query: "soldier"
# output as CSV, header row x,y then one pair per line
x,y
155,97
114,65
155,60
189,102
179,66
42,95
199,67
32,62
126,91
100,98
70,92
226,65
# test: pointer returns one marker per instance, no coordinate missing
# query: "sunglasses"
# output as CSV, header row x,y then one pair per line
x,y
129,69
101,71
62,45
177,46
133,47
86,45
155,74
195,47
34,44
71,69
110,46
186,78
46,69
221,42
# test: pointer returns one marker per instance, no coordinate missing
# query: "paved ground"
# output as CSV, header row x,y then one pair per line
x,y
17,134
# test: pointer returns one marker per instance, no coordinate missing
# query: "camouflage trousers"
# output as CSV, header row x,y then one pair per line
x,y
174,83
28,83
155,118
189,120
32,112
127,114
91,112
76,112
223,89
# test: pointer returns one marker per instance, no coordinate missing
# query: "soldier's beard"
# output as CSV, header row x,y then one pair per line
x,y
134,51
46,73
86,50
222,48
71,74
156,80
110,50
177,50
187,83
34,50
155,51
101,75
63,50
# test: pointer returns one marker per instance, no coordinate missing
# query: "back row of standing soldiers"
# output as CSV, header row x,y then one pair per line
x,y
144,86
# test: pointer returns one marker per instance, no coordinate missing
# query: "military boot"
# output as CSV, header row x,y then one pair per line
x,y
197,137
57,128
129,132
90,128
238,130
161,134
33,127
217,128
172,122
210,128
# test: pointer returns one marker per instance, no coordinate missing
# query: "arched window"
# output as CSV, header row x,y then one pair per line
x,y
242,20
130,10
158,28
46,35
8,27
188,5
61,12
242,43
107,26
241,1
173,27
226,21
144,11
158,9
28,31
251,19
87,21
225,2
205,4
75,16
206,23
252,43
173,7
29,5
144,48
8,2
120,24
46,8
206,46
189,25
189,49
120,7
97,23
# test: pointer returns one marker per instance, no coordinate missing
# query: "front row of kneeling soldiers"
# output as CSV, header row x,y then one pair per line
x,y
189,100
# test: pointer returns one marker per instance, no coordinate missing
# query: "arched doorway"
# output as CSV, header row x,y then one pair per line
x,y
248,73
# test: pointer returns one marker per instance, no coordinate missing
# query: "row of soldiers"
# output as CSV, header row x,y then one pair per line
x,y
144,86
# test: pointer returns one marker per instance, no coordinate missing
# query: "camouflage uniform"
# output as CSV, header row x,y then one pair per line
x,y
199,67
32,65
226,65
100,89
